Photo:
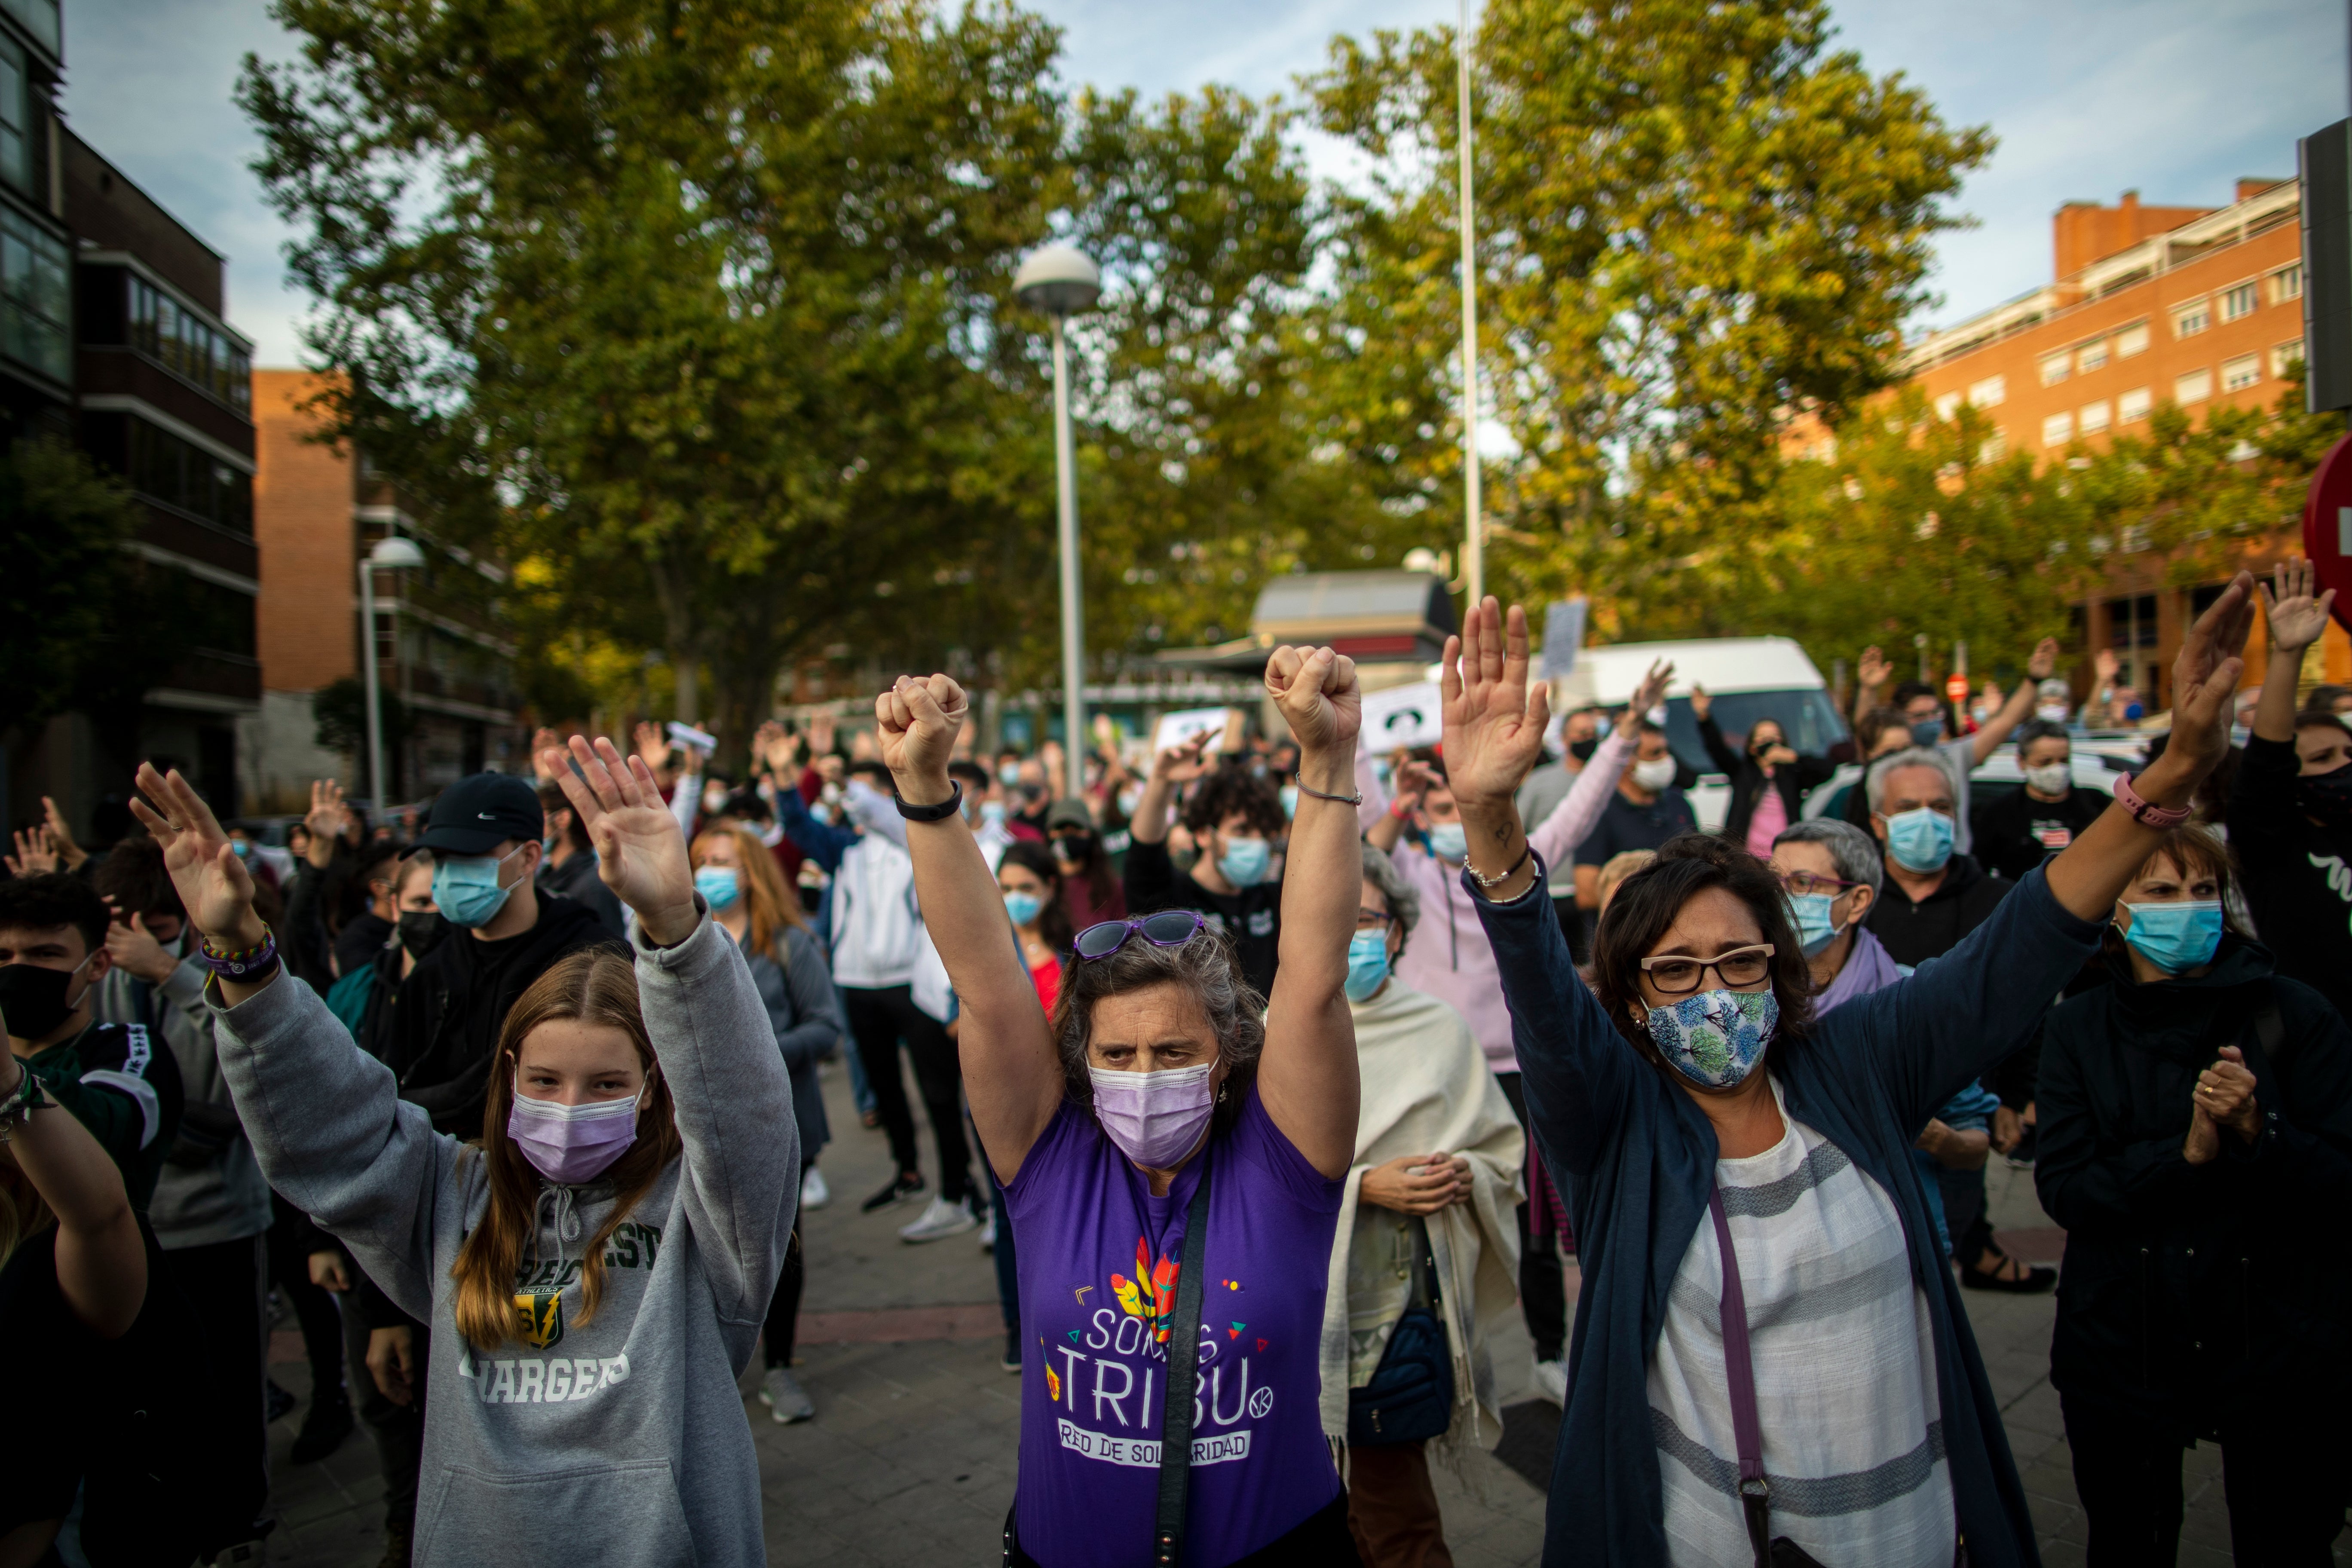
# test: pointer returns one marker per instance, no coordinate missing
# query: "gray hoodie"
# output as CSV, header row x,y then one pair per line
x,y
620,1441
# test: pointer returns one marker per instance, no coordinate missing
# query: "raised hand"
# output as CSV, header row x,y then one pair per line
x,y
640,848
1701,705
1494,720
213,883
1872,669
1319,696
2044,662
2206,675
1184,764
546,748
134,948
2296,617
36,852
2106,665
61,836
916,723
821,735
650,743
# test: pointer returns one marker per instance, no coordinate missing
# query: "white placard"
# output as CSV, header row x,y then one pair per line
x,y
1563,634
1403,716
1175,729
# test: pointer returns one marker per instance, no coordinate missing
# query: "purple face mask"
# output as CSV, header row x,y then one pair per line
x,y
572,1143
1155,1118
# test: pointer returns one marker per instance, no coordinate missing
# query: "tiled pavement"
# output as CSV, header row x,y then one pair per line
x,y
911,1458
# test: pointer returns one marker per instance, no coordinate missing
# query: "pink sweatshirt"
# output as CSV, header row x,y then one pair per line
x,y
1447,955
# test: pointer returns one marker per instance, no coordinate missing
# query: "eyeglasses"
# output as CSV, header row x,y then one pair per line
x,y
1169,928
1368,919
1803,882
1675,975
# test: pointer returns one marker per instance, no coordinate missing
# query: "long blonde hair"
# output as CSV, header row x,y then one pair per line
x,y
593,985
770,905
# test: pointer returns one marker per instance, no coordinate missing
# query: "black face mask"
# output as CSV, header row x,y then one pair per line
x,y
1582,750
1758,748
34,998
2327,796
421,930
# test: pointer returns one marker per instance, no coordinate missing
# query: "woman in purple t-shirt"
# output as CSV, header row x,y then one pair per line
x,y
1160,1061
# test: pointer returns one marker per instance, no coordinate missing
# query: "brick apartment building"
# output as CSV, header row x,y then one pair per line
x,y
442,655
2194,306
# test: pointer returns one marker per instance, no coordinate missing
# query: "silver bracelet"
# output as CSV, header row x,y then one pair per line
x,y
1356,799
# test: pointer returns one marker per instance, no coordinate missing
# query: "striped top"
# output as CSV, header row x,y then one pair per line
x,y
1845,1372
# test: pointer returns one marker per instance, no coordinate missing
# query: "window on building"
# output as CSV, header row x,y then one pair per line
x,y
2132,406
1993,447
1948,405
2286,284
36,299
182,342
179,474
1990,393
2057,429
2132,340
2055,369
2192,320
2090,357
2242,373
2195,386
40,19
15,118
2284,356
2239,302
2095,417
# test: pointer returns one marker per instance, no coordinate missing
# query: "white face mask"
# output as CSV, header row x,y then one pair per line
x,y
1656,774
2049,778
2055,713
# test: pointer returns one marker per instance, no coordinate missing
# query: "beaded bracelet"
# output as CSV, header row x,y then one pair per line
x,y
245,964
22,1100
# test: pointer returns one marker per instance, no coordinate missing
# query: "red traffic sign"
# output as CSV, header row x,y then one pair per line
x,y
1955,687
2327,526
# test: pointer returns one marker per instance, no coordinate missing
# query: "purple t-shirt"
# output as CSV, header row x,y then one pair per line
x,y
1099,1259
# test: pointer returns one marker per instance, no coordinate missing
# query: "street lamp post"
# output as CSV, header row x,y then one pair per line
x,y
1473,542
1060,282
391,553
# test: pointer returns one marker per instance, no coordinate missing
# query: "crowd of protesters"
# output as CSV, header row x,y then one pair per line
x,y
517,1101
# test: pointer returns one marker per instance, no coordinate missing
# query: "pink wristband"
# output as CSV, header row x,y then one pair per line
x,y
2146,814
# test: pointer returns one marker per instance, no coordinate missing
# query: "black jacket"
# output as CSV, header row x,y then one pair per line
x,y
439,1029
2297,873
2195,1294
1748,783
1914,933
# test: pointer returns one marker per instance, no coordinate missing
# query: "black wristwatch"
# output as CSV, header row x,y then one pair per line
x,y
938,813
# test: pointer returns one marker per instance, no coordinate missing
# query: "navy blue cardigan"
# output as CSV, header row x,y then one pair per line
x,y
1635,1160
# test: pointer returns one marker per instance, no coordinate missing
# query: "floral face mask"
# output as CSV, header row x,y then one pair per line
x,y
1714,1039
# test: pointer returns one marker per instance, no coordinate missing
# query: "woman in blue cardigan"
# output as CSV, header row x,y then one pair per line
x,y
1865,1432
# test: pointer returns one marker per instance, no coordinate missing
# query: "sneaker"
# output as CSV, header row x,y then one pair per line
x,y
2011,1275
1012,1361
1550,1382
944,1217
324,1427
904,1186
988,1230
782,1392
814,1193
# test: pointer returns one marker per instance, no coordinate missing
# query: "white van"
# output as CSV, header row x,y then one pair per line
x,y
1749,679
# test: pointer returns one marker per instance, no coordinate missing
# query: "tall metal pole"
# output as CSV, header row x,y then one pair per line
x,y
1074,637
368,674
1474,550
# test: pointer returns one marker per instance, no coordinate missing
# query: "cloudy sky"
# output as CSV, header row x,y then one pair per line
x,y
2173,98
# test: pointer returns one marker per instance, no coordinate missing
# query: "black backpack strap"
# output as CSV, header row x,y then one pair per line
x,y
2267,1051
1183,1368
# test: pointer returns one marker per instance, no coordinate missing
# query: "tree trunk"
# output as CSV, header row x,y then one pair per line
x,y
683,666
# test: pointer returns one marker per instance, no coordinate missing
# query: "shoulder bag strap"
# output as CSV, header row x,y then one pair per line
x,y
1740,1373
1183,1368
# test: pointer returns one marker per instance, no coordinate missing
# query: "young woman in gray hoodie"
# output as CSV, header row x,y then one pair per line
x,y
596,1268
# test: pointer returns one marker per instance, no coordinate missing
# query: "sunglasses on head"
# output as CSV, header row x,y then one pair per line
x,y
1169,928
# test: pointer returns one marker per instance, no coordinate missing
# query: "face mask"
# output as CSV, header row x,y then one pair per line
x,y
829,793
240,849
2327,796
1926,732
1920,840
421,930
991,812
1023,908
2049,778
1289,797
1244,861
1582,750
718,885
34,998
1714,1039
547,845
570,1144
1816,926
1155,1118
1128,799
2054,712
1009,775
712,799
2175,937
1449,841
1368,964
466,888
1655,775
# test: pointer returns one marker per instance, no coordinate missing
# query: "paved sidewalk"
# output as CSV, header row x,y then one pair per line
x,y
910,1459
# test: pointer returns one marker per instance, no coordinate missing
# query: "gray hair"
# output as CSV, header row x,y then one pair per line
x,y
1875,785
1854,852
1403,902
1204,967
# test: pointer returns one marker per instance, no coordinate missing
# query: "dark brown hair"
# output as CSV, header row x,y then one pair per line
x,y
1234,789
1054,920
1646,905
595,986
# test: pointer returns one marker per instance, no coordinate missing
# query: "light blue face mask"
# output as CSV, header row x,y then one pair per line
x,y
1244,861
1289,793
1920,840
718,885
1449,841
2175,936
1368,963
1816,926
466,888
1023,908
991,812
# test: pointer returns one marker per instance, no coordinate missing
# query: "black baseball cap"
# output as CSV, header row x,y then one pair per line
x,y
482,810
